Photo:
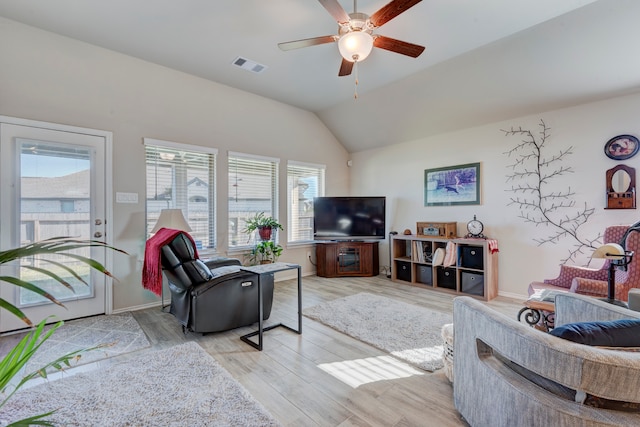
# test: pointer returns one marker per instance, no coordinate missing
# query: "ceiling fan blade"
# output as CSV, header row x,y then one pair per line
x,y
398,46
334,8
297,44
391,10
345,68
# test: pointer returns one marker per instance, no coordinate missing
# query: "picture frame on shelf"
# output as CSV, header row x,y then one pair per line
x,y
622,147
452,185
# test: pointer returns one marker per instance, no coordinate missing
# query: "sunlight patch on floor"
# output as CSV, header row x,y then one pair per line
x,y
363,371
420,355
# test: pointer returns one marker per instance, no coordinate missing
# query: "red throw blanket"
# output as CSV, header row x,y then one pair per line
x,y
152,268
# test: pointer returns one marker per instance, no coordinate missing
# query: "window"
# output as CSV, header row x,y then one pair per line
x,y
181,176
304,182
67,206
253,188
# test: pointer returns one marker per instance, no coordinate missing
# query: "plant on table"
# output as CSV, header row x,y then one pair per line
x,y
265,252
263,223
15,360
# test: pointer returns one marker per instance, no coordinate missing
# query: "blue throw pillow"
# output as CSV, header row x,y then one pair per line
x,y
614,333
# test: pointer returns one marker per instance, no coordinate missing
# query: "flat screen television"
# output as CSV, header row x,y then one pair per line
x,y
348,218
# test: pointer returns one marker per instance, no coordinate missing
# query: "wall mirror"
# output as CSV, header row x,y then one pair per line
x,y
621,187
620,181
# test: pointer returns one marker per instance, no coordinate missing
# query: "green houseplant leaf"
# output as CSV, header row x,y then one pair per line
x,y
17,358
56,246
265,252
260,220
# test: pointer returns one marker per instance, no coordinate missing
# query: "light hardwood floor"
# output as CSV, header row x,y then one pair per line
x,y
285,376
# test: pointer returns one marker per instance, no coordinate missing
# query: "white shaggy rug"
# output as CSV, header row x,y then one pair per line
x,y
405,331
120,333
179,386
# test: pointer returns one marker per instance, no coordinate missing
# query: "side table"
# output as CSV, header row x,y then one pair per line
x,y
261,271
540,306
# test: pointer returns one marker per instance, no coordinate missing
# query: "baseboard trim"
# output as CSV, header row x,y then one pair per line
x,y
514,296
137,307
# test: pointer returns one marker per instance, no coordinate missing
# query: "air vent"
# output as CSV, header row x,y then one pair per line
x,y
249,65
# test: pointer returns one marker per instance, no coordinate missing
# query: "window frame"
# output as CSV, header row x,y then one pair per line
x,y
212,154
246,242
320,172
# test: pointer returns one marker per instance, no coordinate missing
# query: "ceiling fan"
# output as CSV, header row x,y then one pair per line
x,y
355,33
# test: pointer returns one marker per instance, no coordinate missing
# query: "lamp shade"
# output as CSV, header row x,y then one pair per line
x,y
609,251
355,45
171,218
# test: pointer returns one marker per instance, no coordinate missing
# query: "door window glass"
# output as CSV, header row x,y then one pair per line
x,y
54,201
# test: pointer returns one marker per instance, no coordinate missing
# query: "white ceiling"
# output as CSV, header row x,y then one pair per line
x,y
484,61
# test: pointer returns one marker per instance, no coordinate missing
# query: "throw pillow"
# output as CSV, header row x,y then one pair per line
x,y
614,333
197,271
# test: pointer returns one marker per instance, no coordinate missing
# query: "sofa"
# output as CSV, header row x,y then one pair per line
x,y
510,374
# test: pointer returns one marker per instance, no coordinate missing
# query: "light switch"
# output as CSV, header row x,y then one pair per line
x,y
126,197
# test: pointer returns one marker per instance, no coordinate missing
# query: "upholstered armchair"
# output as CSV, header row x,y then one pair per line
x,y
593,282
213,295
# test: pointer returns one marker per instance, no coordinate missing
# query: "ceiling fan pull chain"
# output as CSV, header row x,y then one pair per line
x,y
355,87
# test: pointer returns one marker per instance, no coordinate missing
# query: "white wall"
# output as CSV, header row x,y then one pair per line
x,y
398,172
51,78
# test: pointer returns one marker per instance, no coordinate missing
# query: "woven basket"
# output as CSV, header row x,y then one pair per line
x,y
447,356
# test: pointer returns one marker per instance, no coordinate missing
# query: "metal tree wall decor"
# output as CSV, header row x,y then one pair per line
x,y
532,178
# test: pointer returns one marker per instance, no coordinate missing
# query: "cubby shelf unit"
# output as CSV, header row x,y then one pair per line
x,y
474,272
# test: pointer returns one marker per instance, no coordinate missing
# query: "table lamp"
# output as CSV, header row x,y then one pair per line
x,y
171,218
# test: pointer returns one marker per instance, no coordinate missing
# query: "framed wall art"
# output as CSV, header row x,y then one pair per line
x,y
452,185
621,147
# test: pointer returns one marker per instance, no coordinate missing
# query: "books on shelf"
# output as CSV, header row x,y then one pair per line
x,y
422,251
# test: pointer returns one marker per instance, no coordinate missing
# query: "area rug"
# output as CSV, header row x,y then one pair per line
x,y
120,333
406,331
179,386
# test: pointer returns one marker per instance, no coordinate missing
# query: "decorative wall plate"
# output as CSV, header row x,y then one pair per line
x,y
622,147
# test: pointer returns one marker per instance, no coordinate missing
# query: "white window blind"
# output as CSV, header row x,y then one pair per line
x,y
253,188
182,176
304,182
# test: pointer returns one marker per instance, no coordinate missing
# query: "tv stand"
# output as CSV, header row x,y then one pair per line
x,y
347,259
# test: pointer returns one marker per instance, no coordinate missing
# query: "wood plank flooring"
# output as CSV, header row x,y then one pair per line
x,y
287,376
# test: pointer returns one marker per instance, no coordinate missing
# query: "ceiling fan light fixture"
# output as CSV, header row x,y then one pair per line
x,y
355,45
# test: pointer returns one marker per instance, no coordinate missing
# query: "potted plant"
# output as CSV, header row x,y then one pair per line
x,y
13,362
265,252
263,223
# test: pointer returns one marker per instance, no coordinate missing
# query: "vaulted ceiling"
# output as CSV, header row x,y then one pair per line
x,y
484,61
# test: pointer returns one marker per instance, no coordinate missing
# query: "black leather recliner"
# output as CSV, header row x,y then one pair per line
x,y
214,295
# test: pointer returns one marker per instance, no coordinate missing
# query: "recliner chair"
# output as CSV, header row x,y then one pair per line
x,y
214,295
